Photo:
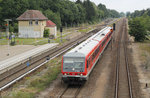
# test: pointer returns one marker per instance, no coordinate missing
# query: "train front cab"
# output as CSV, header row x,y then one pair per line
x,y
73,67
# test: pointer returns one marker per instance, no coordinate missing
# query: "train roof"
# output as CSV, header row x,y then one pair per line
x,y
86,47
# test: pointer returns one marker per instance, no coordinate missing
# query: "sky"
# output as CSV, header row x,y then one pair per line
x,y
124,5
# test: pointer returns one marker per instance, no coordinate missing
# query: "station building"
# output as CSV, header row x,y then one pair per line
x,y
32,23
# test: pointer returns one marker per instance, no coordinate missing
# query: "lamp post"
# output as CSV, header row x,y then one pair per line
x,y
7,27
7,32
61,30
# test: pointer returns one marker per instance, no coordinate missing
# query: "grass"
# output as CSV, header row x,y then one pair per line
x,y
41,83
145,47
36,82
84,30
20,94
32,41
145,54
26,41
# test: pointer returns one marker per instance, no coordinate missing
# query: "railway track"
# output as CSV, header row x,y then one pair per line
x,y
123,87
70,91
13,75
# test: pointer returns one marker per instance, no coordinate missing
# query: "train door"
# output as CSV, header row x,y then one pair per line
x,y
101,48
88,64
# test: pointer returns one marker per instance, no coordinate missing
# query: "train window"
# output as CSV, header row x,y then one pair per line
x,y
73,64
78,64
89,61
87,65
95,53
68,64
103,43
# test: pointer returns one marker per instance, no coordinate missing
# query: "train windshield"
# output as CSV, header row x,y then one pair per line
x,y
73,64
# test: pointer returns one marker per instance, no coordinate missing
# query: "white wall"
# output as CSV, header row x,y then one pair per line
x,y
28,32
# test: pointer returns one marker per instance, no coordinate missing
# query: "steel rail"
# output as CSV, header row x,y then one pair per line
x,y
31,70
78,91
12,82
117,67
61,95
65,90
126,63
39,65
127,66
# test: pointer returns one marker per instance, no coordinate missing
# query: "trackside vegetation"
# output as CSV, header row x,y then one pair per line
x,y
139,24
61,12
38,81
137,29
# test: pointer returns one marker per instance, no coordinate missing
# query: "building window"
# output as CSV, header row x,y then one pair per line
x,y
30,22
36,22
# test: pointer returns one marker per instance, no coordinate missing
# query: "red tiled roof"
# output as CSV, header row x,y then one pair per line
x,y
50,24
32,15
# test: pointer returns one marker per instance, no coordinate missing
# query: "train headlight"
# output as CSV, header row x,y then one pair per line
x,y
65,74
81,74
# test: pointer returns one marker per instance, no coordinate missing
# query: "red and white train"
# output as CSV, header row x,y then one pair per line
x,y
78,63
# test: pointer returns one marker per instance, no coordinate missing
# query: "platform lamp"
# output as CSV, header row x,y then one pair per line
x,y
7,27
61,30
7,32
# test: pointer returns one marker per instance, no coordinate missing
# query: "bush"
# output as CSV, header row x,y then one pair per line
x,y
46,33
137,29
13,27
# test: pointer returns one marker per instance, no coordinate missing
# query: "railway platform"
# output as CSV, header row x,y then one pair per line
x,y
14,61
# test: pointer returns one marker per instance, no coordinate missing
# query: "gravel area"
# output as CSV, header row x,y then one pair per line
x,y
13,50
143,73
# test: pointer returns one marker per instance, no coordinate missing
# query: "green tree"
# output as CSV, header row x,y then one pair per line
x,y
90,10
128,14
122,14
46,33
13,8
15,27
81,13
11,28
104,9
61,12
78,2
0,11
148,12
145,19
136,29
113,13
55,17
